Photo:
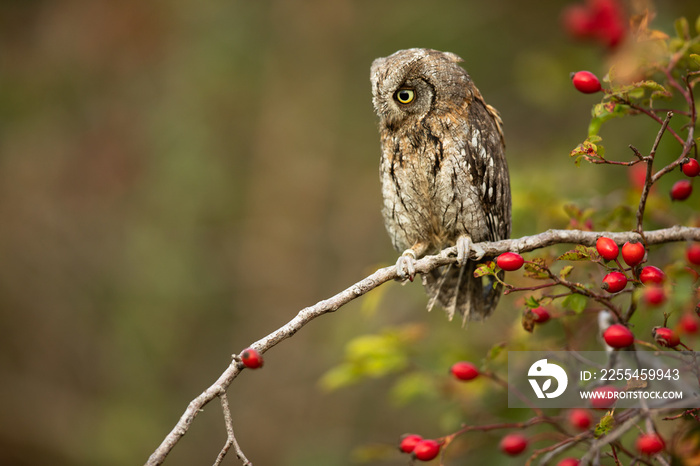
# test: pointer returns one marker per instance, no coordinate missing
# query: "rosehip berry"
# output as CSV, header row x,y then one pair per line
x,y
513,444
654,295
681,190
426,450
580,418
464,370
541,314
568,462
607,248
693,253
651,274
408,442
618,336
691,168
614,282
251,358
578,21
633,253
649,444
604,397
688,323
638,175
665,337
586,82
510,261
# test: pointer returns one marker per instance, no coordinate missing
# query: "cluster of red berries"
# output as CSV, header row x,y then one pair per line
x,y
421,449
600,20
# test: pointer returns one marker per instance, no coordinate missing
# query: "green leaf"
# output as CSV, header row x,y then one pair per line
x,y
697,25
494,352
580,253
605,111
532,302
488,268
536,269
605,425
565,271
575,302
682,28
695,58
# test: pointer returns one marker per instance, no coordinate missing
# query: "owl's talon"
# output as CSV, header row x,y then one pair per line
x,y
405,265
464,247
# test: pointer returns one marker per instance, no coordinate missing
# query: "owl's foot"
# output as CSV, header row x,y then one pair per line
x,y
465,245
405,265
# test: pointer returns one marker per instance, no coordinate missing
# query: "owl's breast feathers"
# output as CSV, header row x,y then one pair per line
x,y
443,177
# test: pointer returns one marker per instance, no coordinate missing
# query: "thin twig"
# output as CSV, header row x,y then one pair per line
x,y
230,437
649,179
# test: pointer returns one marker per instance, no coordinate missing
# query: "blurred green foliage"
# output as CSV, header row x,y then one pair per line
x,y
178,178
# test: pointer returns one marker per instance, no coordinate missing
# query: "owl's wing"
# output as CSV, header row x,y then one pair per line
x,y
487,168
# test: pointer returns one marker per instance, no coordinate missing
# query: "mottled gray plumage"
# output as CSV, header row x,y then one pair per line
x,y
443,172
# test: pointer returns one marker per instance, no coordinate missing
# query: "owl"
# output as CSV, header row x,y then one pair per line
x,y
443,173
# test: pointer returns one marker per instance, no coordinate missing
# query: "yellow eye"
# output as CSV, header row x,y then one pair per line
x,y
405,96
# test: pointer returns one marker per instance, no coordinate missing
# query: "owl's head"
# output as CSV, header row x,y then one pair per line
x,y
410,84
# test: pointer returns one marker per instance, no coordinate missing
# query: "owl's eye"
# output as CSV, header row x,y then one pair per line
x,y
405,96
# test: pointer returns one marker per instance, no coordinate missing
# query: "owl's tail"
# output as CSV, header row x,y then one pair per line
x,y
457,291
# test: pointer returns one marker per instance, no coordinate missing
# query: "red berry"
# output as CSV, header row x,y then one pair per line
x,y
681,190
426,450
693,253
614,282
580,418
633,253
578,22
464,370
654,295
510,261
651,274
586,82
665,337
618,336
691,168
408,442
688,323
513,444
568,462
649,444
251,358
603,397
607,248
541,314
638,176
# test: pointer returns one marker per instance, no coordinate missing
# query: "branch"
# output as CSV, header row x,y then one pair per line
x,y
383,275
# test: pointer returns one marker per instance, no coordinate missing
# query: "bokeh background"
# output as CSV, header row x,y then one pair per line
x,y
179,178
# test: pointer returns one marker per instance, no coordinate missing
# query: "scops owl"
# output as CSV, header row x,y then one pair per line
x,y
443,171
